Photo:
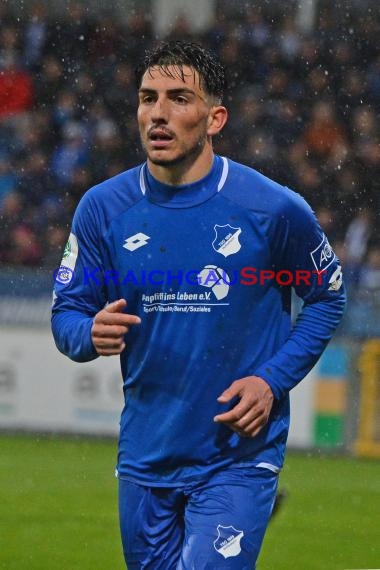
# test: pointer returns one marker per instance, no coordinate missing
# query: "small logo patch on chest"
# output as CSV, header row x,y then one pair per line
x,y
134,242
226,239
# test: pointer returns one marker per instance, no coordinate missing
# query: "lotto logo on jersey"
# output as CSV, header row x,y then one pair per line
x,y
228,541
322,255
134,242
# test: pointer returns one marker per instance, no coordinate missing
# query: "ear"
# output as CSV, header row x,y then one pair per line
x,y
217,118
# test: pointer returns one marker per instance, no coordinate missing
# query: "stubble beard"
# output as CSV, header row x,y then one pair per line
x,y
189,155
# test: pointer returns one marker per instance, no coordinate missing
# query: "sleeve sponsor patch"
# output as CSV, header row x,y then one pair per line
x,y
336,279
323,255
70,253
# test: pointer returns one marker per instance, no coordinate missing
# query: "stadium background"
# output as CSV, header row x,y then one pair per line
x,y
304,102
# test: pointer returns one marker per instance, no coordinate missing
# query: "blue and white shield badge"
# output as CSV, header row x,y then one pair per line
x,y
228,541
226,239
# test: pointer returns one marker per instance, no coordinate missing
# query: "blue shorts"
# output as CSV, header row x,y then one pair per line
x,y
218,524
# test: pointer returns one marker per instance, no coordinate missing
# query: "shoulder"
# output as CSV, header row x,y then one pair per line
x,y
106,201
252,190
124,187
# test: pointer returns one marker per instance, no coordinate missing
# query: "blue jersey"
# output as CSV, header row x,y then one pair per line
x,y
208,267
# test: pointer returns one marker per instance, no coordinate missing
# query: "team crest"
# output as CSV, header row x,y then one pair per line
x,y
228,541
226,239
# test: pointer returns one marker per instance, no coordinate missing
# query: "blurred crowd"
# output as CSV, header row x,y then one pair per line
x,y
304,110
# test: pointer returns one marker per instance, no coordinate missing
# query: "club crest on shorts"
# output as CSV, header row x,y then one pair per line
x,y
226,239
228,541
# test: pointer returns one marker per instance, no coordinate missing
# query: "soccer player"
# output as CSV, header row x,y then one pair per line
x,y
184,267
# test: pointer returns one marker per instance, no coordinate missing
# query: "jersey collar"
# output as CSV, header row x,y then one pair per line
x,y
186,195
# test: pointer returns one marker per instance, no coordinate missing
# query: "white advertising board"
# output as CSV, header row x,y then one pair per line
x,y
42,390
302,412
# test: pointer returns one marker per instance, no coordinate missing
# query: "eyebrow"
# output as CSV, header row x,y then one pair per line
x,y
175,91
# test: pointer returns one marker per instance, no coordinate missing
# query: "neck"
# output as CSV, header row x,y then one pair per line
x,y
185,172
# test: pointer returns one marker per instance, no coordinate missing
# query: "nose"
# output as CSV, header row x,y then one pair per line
x,y
159,111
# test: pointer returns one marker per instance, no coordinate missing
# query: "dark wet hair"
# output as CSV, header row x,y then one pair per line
x,y
178,54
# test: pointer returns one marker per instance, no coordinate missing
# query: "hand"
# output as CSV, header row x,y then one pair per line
x,y
110,326
252,411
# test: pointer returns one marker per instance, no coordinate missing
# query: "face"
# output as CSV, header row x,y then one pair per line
x,y
174,117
